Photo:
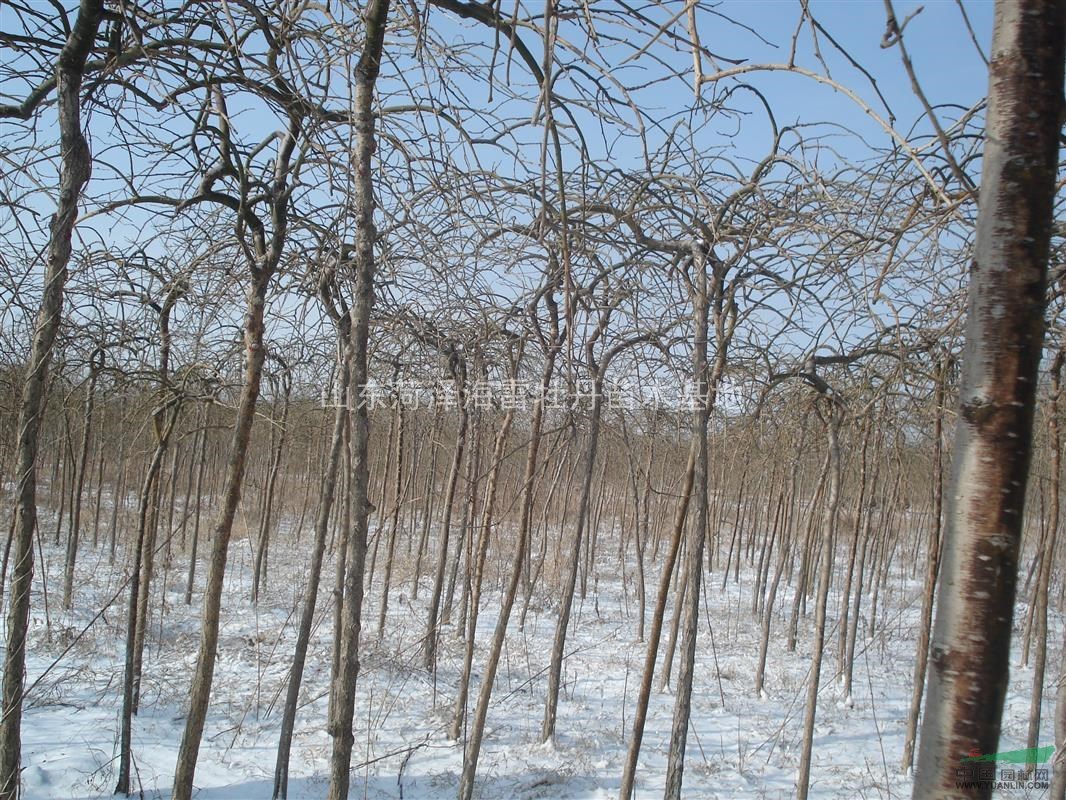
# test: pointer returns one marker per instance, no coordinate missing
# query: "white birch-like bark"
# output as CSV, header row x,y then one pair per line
x,y
969,660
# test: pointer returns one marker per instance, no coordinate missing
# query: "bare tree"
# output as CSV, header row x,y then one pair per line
x,y
263,243
342,687
74,171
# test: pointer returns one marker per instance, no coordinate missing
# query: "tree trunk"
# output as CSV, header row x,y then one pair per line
x,y
342,687
993,442
200,691
201,465
262,549
74,171
307,616
464,546
130,682
932,571
555,664
640,714
1058,773
98,503
118,500
429,653
481,710
1043,578
428,494
79,488
849,571
709,300
148,529
484,536
394,517
829,522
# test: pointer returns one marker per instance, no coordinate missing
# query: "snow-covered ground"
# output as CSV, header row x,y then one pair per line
x,y
740,746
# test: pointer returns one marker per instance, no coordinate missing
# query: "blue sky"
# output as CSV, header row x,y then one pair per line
x,y
948,66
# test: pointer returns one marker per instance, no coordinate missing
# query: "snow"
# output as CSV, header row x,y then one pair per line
x,y
746,747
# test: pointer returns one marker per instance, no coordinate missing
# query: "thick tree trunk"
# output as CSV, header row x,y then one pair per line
x,y
74,171
1004,335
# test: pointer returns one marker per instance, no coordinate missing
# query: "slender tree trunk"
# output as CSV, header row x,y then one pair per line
x,y
307,616
118,500
855,614
342,687
464,546
79,489
766,552
146,538
932,571
261,553
428,488
993,442
829,522
9,540
808,549
386,471
1043,579
788,537
201,465
343,521
481,710
200,691
130,683
429,653
74,171
680,593
484,536
709,300
66,479
555,664
98,503
1058,773
394,517
853,545
642,529
640,714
